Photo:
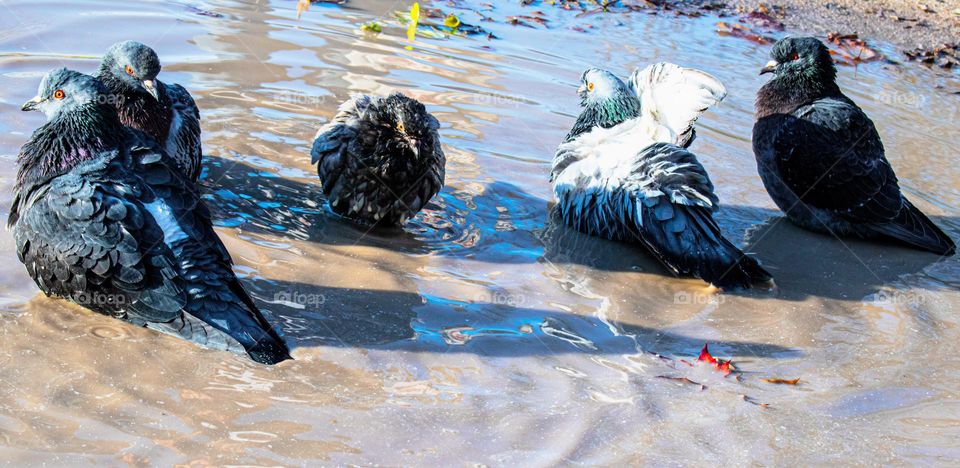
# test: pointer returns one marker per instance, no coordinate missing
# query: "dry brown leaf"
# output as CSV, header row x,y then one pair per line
x,y
302,6
783,381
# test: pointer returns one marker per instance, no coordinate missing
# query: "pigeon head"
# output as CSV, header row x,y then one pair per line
x,y
81,122
63,91
801,59
606,100
132,65
407,123
600,87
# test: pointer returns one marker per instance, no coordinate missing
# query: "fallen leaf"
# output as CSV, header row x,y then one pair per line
x,y
723,366
944,55
782,381
683,380
371,27
414,19
850,49
451,21
741,31
762,20
302,6
754,402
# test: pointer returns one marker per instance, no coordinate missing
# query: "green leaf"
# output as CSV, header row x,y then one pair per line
x,y
371,27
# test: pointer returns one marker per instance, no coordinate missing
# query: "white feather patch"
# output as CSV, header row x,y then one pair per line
x,y
675,96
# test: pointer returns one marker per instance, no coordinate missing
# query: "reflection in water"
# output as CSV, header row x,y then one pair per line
x,y
483,331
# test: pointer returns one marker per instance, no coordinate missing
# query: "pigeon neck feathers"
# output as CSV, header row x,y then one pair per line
x,y
605,114
785,93
68,140
138,109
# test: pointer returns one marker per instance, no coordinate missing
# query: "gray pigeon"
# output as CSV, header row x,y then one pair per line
x,y
380,159
624,172
821,158
166,112
102,217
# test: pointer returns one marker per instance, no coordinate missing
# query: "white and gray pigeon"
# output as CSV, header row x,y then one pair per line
x,y
623,172
102,217
380,159
821,158
166,112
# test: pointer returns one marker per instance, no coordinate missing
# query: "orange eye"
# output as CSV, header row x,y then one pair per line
x,y
795,56
59,94
590,87
129,70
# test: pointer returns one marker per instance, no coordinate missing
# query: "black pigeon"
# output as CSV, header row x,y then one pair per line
x,y
166,112
102,217
380,159
624,174
821,159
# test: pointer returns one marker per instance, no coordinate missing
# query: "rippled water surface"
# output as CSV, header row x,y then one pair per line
x,y
483,332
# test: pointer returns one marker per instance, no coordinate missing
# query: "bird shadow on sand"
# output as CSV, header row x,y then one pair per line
x,y
807,264
311,315
508,225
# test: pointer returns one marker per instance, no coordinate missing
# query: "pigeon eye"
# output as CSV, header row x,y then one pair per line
x,y
590,87
129,70
401,128
795,56
59,94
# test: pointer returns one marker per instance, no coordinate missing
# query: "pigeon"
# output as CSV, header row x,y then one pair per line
x,y
166,112
103,217
625,173
821,159
379,159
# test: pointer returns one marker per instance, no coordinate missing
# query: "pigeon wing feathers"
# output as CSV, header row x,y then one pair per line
x,y
915,228
184,138
673,204
830,155
663,199
674,97
83,237
331,139
666,170
219,313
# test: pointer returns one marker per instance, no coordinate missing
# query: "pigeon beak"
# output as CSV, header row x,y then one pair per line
x,y
31,104
582,89
149,86
770,67
414,145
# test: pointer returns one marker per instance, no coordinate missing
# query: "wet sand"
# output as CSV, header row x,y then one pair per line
x,y
904,23
483,332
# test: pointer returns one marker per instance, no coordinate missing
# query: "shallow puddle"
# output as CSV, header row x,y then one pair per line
x,y
483,332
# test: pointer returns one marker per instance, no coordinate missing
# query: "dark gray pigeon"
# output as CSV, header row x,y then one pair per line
x,y
102,217
624,174
166,112
380,159
821,158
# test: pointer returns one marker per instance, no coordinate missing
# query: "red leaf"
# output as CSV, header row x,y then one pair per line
x,y
723,366
706,356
